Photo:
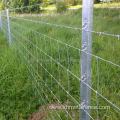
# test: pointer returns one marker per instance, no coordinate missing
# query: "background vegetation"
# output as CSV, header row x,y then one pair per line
x,y
4,4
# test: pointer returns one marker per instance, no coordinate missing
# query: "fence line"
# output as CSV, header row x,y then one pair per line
x,y
23,43
59,63
82,50
62,26
51,74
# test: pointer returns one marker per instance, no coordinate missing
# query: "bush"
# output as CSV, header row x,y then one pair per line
x,y
76,2
96,1
61,6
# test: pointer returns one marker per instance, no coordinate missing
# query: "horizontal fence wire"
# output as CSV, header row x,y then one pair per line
x,y
67,45
5,27
33,48
62,43
46,69
68,27
63,66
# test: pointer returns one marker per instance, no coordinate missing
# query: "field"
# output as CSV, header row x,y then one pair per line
x,y
105,5
18,86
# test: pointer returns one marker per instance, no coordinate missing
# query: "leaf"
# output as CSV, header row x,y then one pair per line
x,y
2,117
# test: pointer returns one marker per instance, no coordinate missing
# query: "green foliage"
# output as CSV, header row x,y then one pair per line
x,y
96,1
116,1
35,8
20,3
79,2
45,5
17,4
2,117
4,5
61,6
74,2
16,86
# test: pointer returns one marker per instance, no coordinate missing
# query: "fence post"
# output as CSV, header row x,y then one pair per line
x,y
0,21
86,59
8,27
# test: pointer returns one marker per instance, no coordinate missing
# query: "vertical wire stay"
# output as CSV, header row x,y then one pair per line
x,y
27,55
40,95
33,78
98,88
68,82
27,43
32,50
45,60
46,96
59,77
24,33
41,62
36,56
52,71
37,51
40,68
24,44
40,71
34,61
45,102
5,28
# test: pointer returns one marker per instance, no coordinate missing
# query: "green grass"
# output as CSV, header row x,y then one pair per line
x,y
14,84
18,78
105,5
2,117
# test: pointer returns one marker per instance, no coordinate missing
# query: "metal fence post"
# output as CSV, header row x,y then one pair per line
x,y
0,21
86,59
8,27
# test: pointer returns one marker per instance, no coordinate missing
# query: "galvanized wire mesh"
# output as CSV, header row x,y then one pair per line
x,y
54,69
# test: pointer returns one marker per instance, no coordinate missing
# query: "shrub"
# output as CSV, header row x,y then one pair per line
x,y
76,2
61,6
96,1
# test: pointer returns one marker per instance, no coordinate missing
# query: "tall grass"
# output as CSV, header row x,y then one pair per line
x,y
14,84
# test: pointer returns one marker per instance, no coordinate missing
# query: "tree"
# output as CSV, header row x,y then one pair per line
x,y
35,8
116,0
61,6
45,5
4,4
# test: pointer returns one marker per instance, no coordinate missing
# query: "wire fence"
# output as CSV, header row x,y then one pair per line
x,y
54,69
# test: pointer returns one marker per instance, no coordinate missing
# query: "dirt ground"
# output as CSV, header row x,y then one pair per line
x,y
38,116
